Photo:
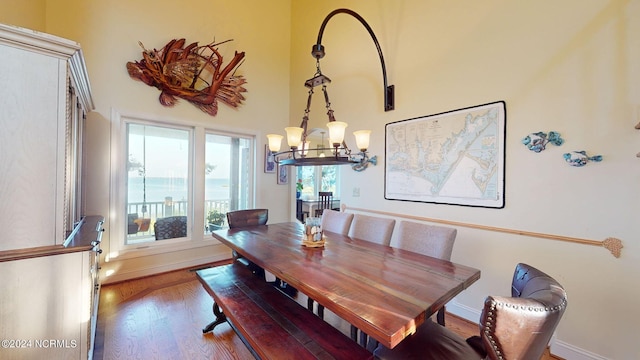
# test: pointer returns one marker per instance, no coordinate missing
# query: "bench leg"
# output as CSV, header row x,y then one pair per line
x,y
440,316
220,318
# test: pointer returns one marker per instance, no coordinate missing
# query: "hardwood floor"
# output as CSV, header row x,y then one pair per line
x,y
162,316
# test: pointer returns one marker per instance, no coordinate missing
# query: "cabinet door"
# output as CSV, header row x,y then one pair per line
x,y
32,148
46,301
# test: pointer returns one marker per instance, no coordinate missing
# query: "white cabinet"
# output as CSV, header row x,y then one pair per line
x,y
49,287
45,93
49,300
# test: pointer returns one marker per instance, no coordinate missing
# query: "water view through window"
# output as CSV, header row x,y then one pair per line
x,y
160,181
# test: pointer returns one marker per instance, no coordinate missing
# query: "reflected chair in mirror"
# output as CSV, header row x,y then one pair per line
x,y
170,227
430,240
325,201
371,228
248,217
516,327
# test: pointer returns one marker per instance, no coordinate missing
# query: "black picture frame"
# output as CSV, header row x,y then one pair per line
x,y
455,157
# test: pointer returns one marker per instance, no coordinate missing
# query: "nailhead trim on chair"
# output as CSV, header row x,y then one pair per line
x,y
488,330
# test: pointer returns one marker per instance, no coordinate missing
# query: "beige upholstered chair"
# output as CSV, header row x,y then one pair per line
x,y
516,327
430,240
336,221
371,228
374,229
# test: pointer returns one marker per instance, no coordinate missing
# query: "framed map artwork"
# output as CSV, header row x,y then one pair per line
x,y
455,157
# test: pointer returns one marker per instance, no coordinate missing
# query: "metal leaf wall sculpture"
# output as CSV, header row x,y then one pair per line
x,y
193,73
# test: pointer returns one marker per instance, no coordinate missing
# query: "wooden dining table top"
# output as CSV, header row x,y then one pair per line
x,y
384,291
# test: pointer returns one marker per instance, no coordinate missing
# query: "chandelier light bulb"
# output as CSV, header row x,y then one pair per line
x,y
275,141
303,148
362,139
336,132
294,136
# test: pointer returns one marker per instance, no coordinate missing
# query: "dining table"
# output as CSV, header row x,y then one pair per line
x,y
384,291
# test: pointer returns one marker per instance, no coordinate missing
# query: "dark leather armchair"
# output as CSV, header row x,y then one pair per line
x,y
170,227
248,217
516,327
254,217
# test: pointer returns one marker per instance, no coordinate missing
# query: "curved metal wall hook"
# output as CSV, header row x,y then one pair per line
x,y
317,51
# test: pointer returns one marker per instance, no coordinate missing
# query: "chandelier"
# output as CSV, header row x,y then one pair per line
x,y
297,137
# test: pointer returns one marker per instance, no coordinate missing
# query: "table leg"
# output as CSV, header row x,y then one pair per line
x,y
220,318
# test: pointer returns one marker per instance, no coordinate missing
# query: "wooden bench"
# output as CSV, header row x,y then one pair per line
x,y
272,325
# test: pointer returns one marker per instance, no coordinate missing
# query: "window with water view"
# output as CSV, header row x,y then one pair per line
x,y
163,188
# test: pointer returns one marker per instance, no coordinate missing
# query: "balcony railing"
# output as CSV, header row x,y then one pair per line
x,y
161,209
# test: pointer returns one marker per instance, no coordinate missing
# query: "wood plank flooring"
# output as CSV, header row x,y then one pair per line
x,y
162,316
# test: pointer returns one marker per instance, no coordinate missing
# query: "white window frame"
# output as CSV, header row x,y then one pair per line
x,y
118,219
317,180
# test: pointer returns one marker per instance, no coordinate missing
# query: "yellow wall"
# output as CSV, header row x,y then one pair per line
x,y
570,66
109,33
28,14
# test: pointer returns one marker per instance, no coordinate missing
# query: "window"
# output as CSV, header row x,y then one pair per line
x,y
318,178
158,182
176,179
228,177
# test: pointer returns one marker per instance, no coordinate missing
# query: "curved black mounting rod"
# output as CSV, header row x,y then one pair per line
x,y
317,51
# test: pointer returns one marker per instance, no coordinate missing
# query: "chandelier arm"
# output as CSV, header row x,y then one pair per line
x,y
318,53
305,118
333,118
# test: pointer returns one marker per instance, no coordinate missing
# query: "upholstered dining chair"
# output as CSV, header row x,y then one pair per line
x,y
374,229
371,228
336,221
325,201
431,240
170,227
516,327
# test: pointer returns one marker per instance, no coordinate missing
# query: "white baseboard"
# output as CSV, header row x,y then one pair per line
x,y
558,348
568,351
165,267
